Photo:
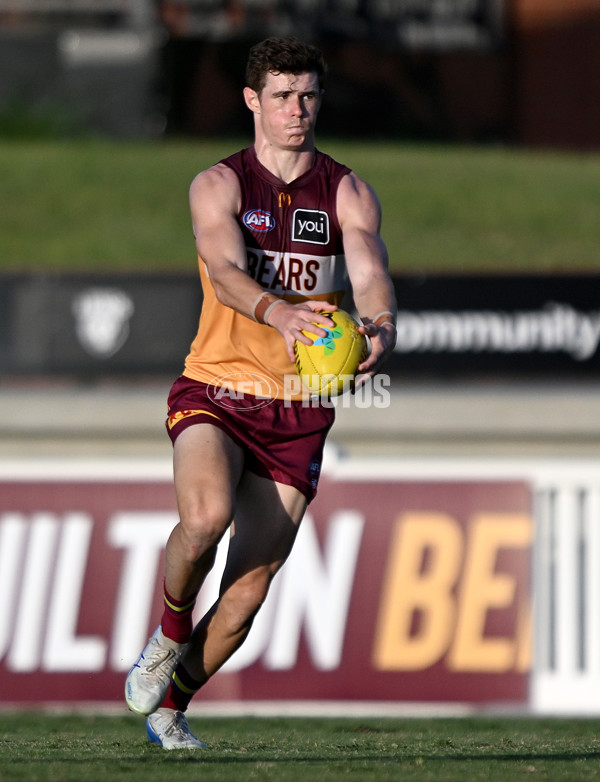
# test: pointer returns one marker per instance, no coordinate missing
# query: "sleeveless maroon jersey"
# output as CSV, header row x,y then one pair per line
x,y
293,237
294,248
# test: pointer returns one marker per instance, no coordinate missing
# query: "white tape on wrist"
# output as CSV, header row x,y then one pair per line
x,y
268,310
386,313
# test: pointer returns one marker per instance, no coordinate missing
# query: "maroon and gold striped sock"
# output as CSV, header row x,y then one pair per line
x,y
181,691
176,620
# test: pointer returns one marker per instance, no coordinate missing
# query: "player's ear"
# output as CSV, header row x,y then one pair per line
x,y
252,99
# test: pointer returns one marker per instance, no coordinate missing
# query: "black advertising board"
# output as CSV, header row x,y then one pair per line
x,y
522,325
448,325
98,325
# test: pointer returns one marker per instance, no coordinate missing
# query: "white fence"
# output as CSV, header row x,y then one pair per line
x,y
566,675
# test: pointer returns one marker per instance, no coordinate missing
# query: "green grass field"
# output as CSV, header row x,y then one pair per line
x,y
42,748
89,205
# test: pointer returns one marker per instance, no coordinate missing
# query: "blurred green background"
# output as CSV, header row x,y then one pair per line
x,y
107,205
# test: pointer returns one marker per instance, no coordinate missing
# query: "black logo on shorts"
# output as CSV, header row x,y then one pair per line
x,y
310,225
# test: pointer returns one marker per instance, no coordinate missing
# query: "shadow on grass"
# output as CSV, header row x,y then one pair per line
x,y
180,757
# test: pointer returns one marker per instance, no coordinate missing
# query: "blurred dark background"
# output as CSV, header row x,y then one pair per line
x,y
515,71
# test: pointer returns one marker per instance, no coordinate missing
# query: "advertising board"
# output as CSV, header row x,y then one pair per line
x,y
397,591
497,325
448,325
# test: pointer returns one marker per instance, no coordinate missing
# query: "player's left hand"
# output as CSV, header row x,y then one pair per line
x,y
383,341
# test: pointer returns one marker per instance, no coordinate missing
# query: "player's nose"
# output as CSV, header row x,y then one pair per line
x,y
296,107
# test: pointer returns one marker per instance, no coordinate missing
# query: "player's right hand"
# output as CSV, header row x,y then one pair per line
x,y
291,320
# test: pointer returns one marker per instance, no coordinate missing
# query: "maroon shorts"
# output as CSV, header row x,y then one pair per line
x,y
281,440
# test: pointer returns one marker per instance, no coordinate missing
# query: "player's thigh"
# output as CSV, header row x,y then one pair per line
x,y
207,466
267,518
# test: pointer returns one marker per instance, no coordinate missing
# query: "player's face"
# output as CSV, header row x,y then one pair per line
x,y
288,107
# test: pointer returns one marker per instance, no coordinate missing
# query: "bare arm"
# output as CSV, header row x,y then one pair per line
x,y
214,204
367,262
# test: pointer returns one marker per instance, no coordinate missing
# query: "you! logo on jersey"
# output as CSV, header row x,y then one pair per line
x,y
310,225
259,220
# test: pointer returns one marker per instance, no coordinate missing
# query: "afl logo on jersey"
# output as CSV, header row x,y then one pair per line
x,y
259,220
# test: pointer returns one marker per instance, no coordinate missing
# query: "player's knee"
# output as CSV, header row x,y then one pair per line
x,y
203,527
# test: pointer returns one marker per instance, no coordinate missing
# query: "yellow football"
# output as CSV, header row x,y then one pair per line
x,y
328,366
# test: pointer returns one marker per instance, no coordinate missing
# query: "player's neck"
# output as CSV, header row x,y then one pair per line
x,y
285,164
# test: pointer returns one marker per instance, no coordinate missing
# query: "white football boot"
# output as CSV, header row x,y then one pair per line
x,y
170,730
148,681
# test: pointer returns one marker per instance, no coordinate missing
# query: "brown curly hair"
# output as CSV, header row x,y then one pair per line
x,y
283,55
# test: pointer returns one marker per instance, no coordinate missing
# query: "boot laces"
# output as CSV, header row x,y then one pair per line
x,y
159,658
